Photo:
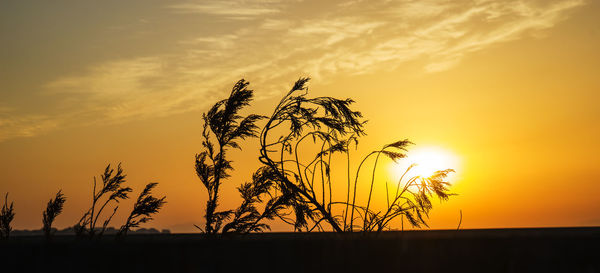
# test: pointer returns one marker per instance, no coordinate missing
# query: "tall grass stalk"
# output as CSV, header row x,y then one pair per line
x,y
53,209
109,191
7,214
145,206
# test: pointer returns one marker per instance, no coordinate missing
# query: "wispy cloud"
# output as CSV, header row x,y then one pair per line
x,y
129,89
5,109
232,9
12,126
279,41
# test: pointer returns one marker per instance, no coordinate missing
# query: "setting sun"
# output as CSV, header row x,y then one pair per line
x,y
426,161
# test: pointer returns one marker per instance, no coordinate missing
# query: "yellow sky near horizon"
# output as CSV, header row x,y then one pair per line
x,y
510,88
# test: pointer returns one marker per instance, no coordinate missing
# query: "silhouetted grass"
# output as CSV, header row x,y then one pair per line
x,y
53,209
145,206
333,125
114,191
7,214
305,189
110,192
223,129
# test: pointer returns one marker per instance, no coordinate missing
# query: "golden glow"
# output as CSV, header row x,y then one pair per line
x,y
426,160
481,83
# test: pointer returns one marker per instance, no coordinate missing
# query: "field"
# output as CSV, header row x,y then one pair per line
x,y
482,250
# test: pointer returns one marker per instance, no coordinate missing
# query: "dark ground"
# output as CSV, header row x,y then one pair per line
x,y
484,250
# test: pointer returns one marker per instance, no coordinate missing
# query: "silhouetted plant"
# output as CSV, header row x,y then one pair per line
x,y
247,218
416,208
114,191
332,124
223,128
145,206
328,119
53,209
7,214
292,185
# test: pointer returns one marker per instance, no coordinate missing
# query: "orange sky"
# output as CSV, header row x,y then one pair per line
x,y
510,88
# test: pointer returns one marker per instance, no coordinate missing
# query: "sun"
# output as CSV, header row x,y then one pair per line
x,y
426,160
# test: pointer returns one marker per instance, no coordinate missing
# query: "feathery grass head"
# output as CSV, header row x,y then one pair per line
x,y
223,128
145,206
53,209
7,214
111,191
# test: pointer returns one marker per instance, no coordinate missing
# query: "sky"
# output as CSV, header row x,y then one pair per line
x,y
509,88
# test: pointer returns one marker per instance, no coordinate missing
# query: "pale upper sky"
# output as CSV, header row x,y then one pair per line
x,y
510,87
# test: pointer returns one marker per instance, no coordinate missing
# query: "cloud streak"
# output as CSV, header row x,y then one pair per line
x,y
276,43
25,126
231,9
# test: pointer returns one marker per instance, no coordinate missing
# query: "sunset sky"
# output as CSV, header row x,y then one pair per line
x,y
510,89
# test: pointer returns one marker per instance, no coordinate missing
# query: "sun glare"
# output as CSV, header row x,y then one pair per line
x,y
426,160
